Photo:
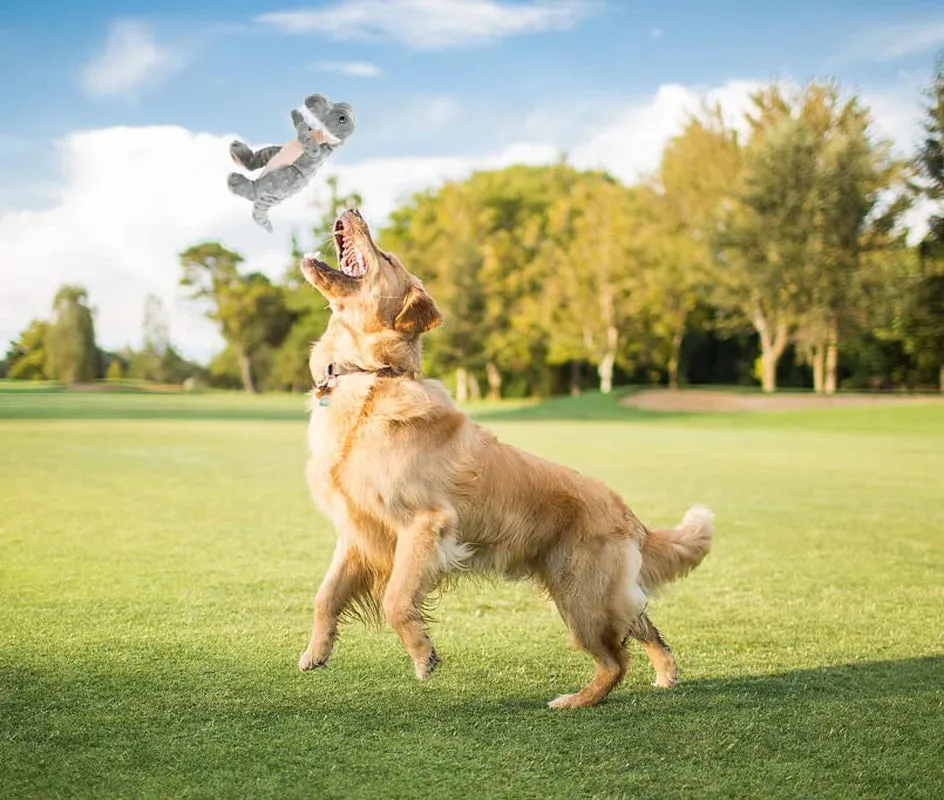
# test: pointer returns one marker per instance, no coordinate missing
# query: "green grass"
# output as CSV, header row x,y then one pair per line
x,y
158,555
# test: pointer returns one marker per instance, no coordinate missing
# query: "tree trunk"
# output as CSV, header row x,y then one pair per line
x,y
832,357
475,391
608,361
817,358
494,381
674,356
246,369
462,385
772,345
941,378
575,379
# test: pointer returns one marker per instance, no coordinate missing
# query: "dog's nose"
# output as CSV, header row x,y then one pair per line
x,y
355,212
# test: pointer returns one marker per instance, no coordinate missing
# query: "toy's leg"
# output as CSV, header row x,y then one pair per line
x,y
241,185
245,157
260,211
271,189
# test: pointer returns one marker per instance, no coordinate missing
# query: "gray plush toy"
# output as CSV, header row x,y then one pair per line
x,y
320,126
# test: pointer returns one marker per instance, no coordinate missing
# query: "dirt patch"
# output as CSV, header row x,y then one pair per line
x,y
700,400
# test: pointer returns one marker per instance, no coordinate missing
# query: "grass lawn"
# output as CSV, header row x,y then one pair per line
x,y
158,555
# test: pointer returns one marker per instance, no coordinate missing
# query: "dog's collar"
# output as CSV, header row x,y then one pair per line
x,y
333,372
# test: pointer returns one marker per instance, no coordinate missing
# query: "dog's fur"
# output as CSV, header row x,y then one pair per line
x,y
418,492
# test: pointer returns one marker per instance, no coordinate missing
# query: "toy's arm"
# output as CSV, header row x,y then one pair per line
x,y
314,150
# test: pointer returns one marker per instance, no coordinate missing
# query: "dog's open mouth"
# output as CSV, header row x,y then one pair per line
x,y
351,261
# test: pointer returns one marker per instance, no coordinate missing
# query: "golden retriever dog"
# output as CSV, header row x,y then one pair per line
x,y
418,493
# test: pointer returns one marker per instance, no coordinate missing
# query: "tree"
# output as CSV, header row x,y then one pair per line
x,y
72,355
478,245
925,321
26,358
249,309
929,164
765,234
697,171
926,302
436,237
115,371
854,174
148,363
596,254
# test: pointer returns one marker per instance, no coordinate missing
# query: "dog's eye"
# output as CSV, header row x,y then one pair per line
x,y
342,119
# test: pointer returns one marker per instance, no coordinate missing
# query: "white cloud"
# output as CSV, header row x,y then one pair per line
x,y
355,69
432,24
124,211
131,58
630,145
892,42
897,116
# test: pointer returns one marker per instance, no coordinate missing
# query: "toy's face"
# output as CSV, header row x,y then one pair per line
x,y
337,119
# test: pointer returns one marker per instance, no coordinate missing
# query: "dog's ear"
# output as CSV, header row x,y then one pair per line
x,y
419,313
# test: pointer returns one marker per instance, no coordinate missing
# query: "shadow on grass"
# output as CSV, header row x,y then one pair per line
x,y
199,728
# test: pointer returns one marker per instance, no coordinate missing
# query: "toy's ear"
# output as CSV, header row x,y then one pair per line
x,y
316,101
419,313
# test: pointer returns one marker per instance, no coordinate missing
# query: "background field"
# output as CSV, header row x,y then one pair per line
x,y
158,555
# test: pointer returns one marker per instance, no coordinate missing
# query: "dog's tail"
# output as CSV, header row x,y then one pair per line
x,y
668,554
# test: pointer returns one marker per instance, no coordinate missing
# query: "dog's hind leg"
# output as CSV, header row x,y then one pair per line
x,y
346,579
418,565
660,654
599,600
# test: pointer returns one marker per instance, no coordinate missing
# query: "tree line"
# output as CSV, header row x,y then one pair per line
x,y
771,251
64,348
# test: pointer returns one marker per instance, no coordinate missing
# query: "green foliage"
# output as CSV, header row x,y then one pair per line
x,y
250,309
71,353
115,371
26,357
924,321
698,170
516,259
807,208
929,163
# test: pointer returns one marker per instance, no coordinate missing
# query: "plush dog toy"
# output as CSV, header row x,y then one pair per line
x,y
320,126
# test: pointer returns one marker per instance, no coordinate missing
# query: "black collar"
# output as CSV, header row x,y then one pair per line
x,y
333,372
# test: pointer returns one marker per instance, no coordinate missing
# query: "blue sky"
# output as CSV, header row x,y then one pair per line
x,y
228,69
94,90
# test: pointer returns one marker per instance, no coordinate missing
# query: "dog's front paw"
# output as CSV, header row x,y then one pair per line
x,y
425,668
309,660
